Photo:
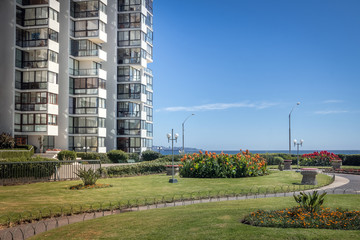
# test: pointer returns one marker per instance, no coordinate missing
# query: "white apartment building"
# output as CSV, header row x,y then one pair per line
x,y
75,75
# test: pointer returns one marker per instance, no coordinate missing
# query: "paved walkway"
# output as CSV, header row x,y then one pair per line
x,y
344,183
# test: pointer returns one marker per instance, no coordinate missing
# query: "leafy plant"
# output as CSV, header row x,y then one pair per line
x,y
212,165
89,177
322,158
310,202
150,155
117,156
66,155
134,156
6,141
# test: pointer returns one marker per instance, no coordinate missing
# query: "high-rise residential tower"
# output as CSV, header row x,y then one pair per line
x,y
75,74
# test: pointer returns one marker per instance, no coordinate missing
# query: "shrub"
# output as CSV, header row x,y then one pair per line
x,y
94,156
150,155
66,155
273,158
6,141
322,158
89,177
25,151
117,156
310,202
212,165
350,160
143,168
168,158
134,156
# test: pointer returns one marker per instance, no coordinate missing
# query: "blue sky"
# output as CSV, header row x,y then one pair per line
x,y
241,66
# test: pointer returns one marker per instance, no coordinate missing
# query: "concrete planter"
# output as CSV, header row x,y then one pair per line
x,y
309,176
169,169
336,164
287,164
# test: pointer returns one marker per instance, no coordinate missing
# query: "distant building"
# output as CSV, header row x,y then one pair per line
x,y
74,74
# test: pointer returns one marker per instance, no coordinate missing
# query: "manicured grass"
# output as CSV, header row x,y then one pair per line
x,y
31,197
219,220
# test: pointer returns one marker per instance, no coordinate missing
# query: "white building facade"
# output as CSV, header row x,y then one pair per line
x,y
76,76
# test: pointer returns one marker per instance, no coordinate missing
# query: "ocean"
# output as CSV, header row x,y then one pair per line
x,y
168,152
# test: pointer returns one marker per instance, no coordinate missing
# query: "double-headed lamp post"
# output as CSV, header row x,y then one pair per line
x,y
296,143
298,103
86,149
183,133
171,137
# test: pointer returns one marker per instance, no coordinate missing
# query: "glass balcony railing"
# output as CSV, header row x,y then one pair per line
x,y
84,72
128,114
32,64
33,43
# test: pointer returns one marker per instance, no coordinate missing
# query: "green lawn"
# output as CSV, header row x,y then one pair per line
x,y
31,197
217,220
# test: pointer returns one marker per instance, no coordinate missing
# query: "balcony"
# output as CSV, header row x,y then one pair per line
x,y
49,87
96,36
129,114
96,55
49,130
88,73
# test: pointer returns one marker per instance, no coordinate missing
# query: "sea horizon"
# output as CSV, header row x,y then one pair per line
x,y
348,152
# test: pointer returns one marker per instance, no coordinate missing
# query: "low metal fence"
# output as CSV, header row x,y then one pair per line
x,y
43,171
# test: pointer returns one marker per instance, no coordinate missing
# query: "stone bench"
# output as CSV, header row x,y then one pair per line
x,y
309,176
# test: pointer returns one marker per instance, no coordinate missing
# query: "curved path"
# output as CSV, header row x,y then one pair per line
x,y
343,184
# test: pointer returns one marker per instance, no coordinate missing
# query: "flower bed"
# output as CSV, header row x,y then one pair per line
x,y
212,165
299,218
323,158
82,186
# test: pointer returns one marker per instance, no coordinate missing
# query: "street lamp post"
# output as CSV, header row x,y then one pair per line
x,y
171,137
298,144
298,103
183,133
159,149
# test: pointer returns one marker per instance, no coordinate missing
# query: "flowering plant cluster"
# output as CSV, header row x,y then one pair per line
x,y
323,158
82,186
298,217
212,165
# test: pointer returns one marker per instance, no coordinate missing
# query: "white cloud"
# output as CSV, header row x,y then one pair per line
x,y
218,106
333,101
331,112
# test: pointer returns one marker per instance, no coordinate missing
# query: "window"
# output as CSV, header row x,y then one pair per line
x,y
128,127
129,55
126,74
87,28
85,125
53,14
86,105
129,144
78,143
129,38
129,91
149,98
129,5
128,109
129,20
149,113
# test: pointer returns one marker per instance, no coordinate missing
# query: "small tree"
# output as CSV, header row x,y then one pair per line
x,y
149,155
6,141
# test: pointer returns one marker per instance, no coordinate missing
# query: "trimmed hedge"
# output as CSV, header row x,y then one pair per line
x,y
94,156
272,158
117,156
150,155
168,158
134,156
350,160
27,168
143,168
18,152
66,155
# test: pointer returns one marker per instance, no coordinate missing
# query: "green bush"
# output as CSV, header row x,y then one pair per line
x,y
272,158
310,202
134,156
350,160
168,158
150,155
27,167
94,156
89,177
117,156
18,152
6,141
66,155
143,168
